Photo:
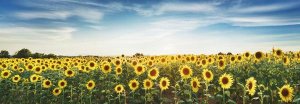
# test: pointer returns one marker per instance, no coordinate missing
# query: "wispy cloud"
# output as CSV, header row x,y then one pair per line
x,y
266,8
60,15
261,21
36,34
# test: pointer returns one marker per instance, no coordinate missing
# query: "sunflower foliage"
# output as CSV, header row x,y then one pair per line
x,y
259,77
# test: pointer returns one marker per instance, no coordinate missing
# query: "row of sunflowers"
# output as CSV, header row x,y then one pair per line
x,y
271,77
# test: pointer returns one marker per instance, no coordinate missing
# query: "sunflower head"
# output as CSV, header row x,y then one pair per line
x,y
90,85
221,64
251,85
226,81
139,69
5,74
133,84
92,65
207,75
259,55
47,83
69,73
106,68
34,78
148,84
164,83
195,84
286,93
16,78
56,91
37,69
119,88
153,73
62,83
118,70
185,72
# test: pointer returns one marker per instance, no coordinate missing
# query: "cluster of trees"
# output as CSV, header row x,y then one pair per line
x,y
25,53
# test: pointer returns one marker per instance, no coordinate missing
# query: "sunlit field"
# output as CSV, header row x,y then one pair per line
x,y
243,78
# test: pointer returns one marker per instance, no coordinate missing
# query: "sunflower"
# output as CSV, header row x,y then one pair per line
x,y
5,74
251,85
92,65
21,70
106,68
119,88
118,70
221,64
69,73
62,83
286,93
133,84
226,81
278,53
139,69
47,83
56,91
90,85
16,78
164,83
286,61
29,67
148,84
185,72
37,70
258,55
204,63
118,62
247,55
153,73
195,84
207,75
34,78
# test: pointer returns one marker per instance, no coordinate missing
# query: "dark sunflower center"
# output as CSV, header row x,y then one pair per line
x,y
106,67
147,84
119,70
247,54
164,83
284,60
56,91
239,58
278,52
203,62
250,85
118,62
38,69
225,80
139,68
5,74
186,71
153,72
221,63
29,67
258,55
285,92
62,83
134,63
232,58
90,84
34,78
194,84
207,74
16,78
119,88
92,64
133,85
70,72
47,83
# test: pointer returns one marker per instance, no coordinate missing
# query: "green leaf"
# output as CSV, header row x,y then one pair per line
x,y
186,92
296,100
231,101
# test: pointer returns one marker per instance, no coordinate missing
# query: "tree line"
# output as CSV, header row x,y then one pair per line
x,y
25,53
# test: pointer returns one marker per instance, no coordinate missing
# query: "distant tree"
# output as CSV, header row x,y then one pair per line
x,y
50,56
38,55
23,53
4,54
229,53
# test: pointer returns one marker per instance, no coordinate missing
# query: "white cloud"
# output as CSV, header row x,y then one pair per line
x,y
261,21
86,14
36,34
266,8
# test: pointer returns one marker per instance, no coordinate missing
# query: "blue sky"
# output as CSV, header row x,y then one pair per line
x,y
107,27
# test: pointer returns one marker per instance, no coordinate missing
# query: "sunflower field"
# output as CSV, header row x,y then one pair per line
x,y
259,78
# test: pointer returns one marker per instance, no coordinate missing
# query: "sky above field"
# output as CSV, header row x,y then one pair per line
x,y
108,27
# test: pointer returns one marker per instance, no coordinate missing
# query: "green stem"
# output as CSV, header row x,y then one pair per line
x,y
119,99
223,96
145,96
71,93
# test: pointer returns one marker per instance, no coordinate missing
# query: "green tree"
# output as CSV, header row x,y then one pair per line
x,y
4,54
23,53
